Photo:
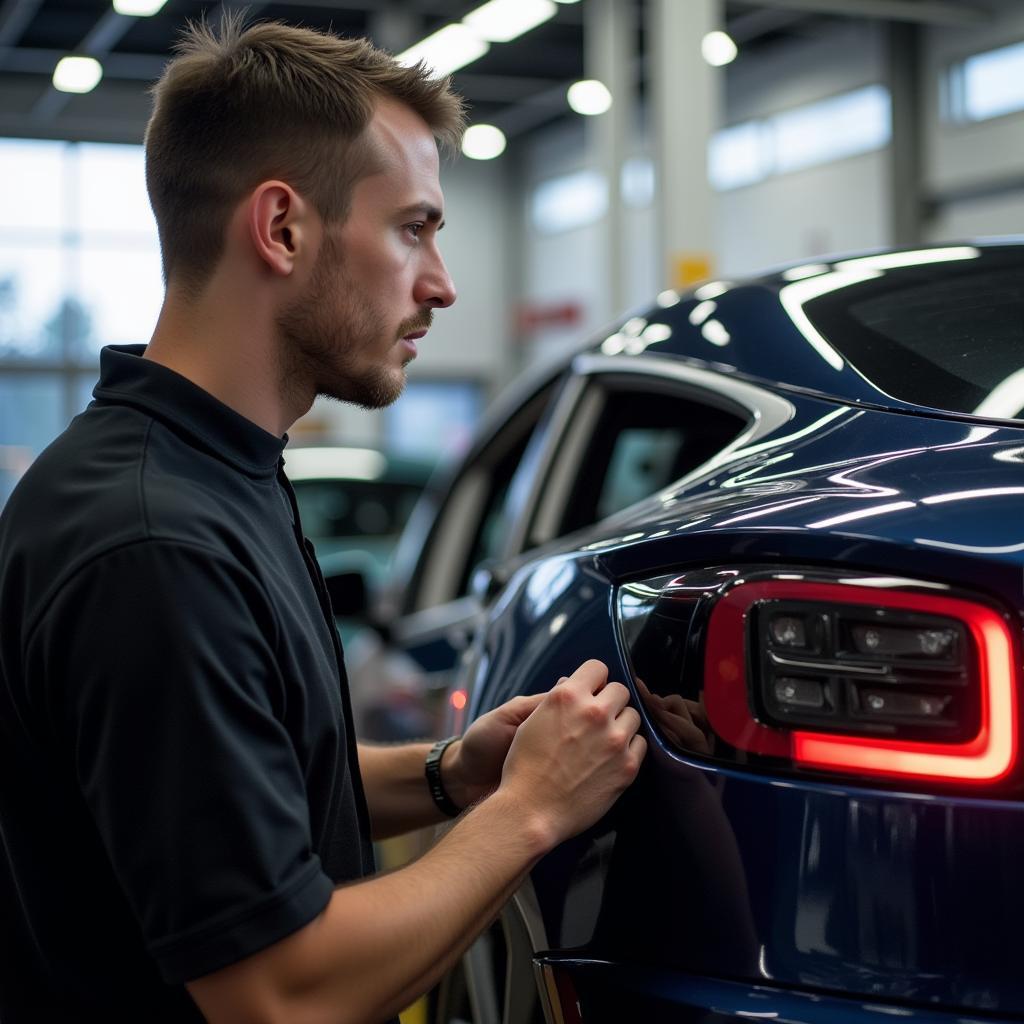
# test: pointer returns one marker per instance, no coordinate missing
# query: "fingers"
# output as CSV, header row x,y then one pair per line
x,y
591,676
638,749
629,721
613,698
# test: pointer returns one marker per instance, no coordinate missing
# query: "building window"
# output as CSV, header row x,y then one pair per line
x,y
986,85
79,269
816,133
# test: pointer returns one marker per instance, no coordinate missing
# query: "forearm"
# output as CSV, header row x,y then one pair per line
x,y
396,788
381,943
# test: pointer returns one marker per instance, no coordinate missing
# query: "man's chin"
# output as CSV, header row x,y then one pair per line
x,y
374,392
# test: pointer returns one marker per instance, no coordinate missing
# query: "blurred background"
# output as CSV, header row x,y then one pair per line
x,y
619,147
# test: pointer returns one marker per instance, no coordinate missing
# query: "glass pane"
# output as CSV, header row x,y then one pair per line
x,y
31,416
32,301
112,190
572,201
739,155
946,334
84,383
856,122
994,82
642,462
32,196
433,418
120,293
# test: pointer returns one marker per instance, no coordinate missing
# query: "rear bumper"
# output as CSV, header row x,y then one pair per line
x,y
595,992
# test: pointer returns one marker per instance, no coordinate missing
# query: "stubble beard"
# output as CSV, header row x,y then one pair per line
x,y
320,341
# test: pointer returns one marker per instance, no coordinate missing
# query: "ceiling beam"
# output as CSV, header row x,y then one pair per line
x,y
102,38
14,17
141,67
925,12
745,28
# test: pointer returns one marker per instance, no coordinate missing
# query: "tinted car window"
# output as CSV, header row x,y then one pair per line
x,y
944,336
354,508
641,443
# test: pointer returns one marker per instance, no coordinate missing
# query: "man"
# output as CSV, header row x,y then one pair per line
x,y
185,816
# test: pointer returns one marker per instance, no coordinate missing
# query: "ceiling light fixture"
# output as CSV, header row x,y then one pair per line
x,y
501,21
77,74
138,8
589,97
447,50
483,142
718,49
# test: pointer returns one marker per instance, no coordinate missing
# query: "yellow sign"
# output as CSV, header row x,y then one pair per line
x,y
688,268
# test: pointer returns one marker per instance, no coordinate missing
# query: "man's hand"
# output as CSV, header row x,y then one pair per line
x,y
471,767
576,753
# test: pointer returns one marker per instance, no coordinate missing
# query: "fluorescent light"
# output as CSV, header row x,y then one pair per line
x,y
589,97
483,142
77,74
718,49
503,20
138,8
447,50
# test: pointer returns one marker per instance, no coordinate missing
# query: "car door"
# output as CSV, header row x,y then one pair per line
x,y
429,614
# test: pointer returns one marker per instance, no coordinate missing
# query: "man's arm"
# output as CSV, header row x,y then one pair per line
x,y
381,943
394,780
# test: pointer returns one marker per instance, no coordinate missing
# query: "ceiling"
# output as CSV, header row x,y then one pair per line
x,y
520,86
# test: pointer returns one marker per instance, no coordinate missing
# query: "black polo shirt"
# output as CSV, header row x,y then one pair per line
x,y
178,777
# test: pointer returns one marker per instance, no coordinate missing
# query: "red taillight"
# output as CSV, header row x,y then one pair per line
x,y
968,682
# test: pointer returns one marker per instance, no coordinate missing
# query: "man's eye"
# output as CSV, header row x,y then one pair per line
x,y
414,229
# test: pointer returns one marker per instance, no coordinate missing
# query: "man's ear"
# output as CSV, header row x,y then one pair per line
x,y
280,225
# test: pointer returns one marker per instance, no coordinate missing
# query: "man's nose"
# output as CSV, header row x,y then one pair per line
x,y
435,287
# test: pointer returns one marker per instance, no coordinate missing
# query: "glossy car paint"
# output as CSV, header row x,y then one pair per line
x,y
716,890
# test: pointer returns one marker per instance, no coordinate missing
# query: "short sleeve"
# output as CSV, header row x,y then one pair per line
x,y
160,684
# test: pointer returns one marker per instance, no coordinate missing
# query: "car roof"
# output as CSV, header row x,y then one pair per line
x,y
759,327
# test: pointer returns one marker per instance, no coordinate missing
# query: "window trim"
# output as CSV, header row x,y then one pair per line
x,y
763,410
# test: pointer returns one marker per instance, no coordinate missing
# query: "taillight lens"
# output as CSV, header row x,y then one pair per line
x,y
838,676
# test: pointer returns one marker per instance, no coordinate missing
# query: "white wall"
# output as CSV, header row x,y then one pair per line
x,y
973,156
838,207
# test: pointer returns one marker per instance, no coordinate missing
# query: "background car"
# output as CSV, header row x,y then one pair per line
x,y
786,512
353,503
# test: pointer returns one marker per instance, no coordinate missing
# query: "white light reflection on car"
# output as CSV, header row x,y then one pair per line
x,y
862,513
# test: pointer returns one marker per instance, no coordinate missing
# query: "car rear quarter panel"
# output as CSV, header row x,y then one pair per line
x,y
809,883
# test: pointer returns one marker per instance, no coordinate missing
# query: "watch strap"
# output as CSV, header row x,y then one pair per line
x,y
432,769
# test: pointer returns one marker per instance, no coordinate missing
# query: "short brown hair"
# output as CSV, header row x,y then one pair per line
x,y
243,105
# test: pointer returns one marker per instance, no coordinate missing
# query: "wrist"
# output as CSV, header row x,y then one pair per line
x,y
539,834
453,776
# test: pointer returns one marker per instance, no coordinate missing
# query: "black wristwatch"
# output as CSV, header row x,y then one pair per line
x,y
432,769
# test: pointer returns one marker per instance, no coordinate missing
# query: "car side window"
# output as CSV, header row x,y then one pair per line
x,y
627,443
471,526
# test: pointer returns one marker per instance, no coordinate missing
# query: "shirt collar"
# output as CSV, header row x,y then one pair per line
x,y
128,379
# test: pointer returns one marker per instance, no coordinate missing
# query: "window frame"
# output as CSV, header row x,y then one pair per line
x,y
579,413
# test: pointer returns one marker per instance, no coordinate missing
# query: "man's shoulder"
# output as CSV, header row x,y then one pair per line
x,y
116,477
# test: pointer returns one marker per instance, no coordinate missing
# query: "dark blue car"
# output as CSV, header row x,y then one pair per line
x,y
787,513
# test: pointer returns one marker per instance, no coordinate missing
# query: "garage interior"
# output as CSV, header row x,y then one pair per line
x,y
838,126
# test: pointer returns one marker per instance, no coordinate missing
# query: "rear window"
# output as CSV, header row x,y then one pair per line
x,y
945,335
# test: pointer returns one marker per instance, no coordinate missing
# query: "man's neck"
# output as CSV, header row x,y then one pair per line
x,y
230,351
